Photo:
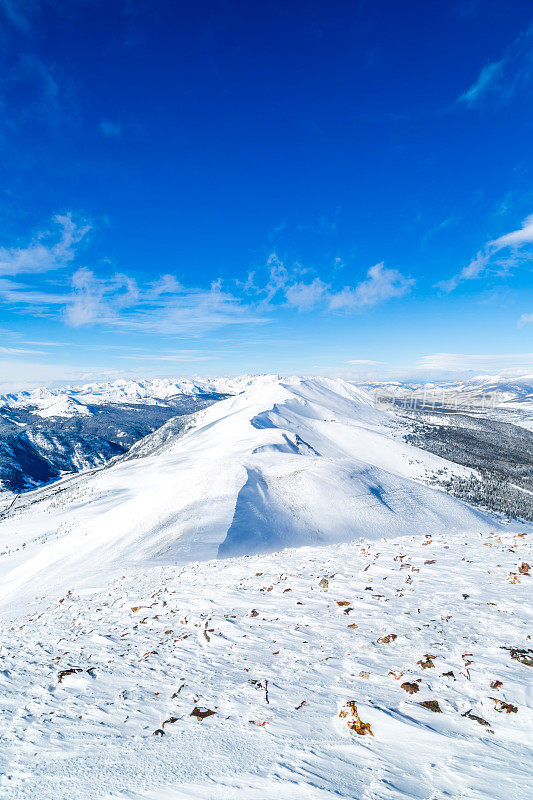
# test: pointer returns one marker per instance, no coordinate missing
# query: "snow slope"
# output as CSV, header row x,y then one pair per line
x,y
62,406
284,463
98,686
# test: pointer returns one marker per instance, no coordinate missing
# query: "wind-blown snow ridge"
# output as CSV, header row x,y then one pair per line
x,y
284,463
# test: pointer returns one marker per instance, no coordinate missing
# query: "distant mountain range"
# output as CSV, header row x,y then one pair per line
x,y
68,401
47,433
507,390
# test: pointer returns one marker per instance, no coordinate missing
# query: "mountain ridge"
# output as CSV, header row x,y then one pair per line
x,y
284,463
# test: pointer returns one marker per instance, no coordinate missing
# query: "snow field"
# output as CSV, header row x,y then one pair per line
x,y
277,645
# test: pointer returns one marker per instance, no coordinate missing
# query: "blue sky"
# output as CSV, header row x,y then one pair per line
x,y
228,187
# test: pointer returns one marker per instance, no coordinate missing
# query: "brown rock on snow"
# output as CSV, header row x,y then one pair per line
x,y
431,705
503,707
354,721
201,713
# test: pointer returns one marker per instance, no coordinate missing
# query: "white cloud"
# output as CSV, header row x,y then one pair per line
x,y
21,294
381,284
193,311
164,307
19,351
305,296
462,362
515,240
488,76
47,344
88,303
525,319
177,356
523,235
503,78
49,250
166,284
96,300
277,282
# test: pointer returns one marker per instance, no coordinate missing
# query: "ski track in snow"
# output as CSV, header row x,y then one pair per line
x,y
161,641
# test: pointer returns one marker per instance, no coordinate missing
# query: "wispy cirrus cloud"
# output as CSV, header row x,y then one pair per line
x,y
500,79
22,295
516,243
117,301
381,284
46,343
164,307
177,356
20,12
306,296
489,76
19,351
525,319
50,249
98,300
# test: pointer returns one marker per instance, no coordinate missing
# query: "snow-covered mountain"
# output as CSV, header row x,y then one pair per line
x,y
284,463
152,647
495,397
69,401
47,433
487,391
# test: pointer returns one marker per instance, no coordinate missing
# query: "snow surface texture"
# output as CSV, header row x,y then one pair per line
x,y
98,686
284,463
